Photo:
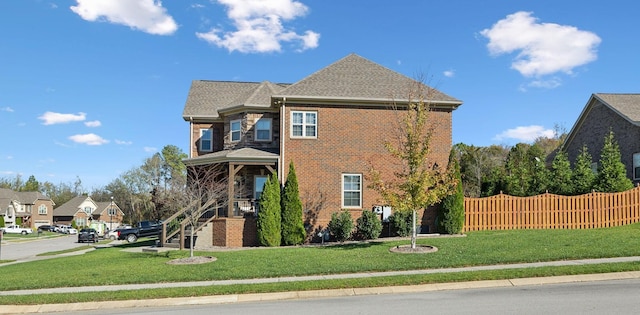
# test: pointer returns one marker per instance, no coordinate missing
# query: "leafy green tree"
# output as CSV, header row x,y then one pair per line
x,y
269,216
368,225
31,184
419,183
561,175
612,175
494,183
1,221
518,171
451,214
293,232
341,225
400,223
583,176
540,175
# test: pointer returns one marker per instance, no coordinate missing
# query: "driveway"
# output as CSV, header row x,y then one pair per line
x,y
24,250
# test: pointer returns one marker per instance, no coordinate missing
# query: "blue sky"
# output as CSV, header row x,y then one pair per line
x,y
90,88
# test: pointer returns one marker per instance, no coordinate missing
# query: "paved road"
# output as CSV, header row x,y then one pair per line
x,y
13,250
598,297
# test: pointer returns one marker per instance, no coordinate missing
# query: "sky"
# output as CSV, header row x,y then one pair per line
x,y
91,88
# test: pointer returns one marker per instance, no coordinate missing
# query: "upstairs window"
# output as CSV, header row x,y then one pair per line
x,y
263,129
636,166
304,124
88,210
206,140
236,126
351,190
42,209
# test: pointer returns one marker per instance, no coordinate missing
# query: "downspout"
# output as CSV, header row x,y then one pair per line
x,y
282,138
190,136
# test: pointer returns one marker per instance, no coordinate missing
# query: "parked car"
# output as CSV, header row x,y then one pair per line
x,y
88,235
46,228
15,229
71,231
142,229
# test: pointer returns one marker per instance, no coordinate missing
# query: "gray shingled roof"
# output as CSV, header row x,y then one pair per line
x,y
239,155
70,207
354,77
627,105
206,98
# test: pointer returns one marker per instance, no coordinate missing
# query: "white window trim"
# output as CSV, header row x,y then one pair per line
x,y
304,125
42,209
231,131
270,129
342,190
210,140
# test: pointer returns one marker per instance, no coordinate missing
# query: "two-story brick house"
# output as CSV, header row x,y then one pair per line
x,y
33,208
331,125
84,211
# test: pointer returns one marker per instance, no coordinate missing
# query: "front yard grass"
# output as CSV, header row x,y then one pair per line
x,y
113,266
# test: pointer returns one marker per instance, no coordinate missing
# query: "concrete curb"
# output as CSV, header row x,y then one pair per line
x,y
276,296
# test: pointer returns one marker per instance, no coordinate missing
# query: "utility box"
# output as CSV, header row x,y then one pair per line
x,y
383,211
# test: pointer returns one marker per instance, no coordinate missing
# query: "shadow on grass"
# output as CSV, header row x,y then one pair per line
x,y
143,243
351,246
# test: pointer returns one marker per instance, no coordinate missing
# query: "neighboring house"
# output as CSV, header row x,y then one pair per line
x,y
331,125
606,112
84,211
34,208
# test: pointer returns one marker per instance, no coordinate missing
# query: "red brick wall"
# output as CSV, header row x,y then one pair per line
x,y
350,140
235,232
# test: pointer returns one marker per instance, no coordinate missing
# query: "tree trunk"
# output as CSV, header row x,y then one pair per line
x,y
413,230
191,242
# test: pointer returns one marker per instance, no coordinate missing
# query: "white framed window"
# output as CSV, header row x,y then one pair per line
x,y
235,130
206,140
304,124
351,190
258,185
42,209
88,210
81,222
263,129
112,211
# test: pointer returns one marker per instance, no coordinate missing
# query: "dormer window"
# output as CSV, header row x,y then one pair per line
x,y
263,129
235,131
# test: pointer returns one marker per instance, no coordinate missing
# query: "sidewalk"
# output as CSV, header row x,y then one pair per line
x,y
234,298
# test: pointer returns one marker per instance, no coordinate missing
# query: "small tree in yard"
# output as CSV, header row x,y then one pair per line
x,y
451,216
420,182
368,226
401,222
612,175
293,232
206,189
269,216
341,225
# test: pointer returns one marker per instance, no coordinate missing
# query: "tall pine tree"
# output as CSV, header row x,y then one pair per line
x,y
451,215
269,215
561,175
583,176
293,232
612,174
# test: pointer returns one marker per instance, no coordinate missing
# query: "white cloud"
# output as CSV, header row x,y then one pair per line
x,y
94,123
543,48
525,133
146,15
89,139
259,27
7,109
122,142
449,73
150,149
51,118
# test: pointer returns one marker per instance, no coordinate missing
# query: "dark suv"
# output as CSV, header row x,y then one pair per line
x,y
88,235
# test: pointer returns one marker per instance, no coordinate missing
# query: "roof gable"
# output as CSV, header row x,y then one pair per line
x,y
72,206
625,105
354,77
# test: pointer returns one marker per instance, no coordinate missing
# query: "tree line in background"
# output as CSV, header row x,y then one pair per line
x,y
532,169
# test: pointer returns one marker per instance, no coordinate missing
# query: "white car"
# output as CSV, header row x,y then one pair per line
x,y
71,231
15,229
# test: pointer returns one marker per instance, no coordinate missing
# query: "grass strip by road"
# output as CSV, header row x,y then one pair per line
x,y
316,285
113,266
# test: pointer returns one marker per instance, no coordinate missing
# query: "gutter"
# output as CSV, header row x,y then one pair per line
x,y
282,138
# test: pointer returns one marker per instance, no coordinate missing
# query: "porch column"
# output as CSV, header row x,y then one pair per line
x,y
233,170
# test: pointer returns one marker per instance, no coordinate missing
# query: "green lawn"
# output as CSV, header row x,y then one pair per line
x,y
113,266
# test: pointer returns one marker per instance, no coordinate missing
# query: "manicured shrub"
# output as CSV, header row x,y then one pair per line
x,y
400,223
269,215
293,232
341,225
451,210
368,226
1,221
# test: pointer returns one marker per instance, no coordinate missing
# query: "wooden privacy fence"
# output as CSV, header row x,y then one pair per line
x,y
549,211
